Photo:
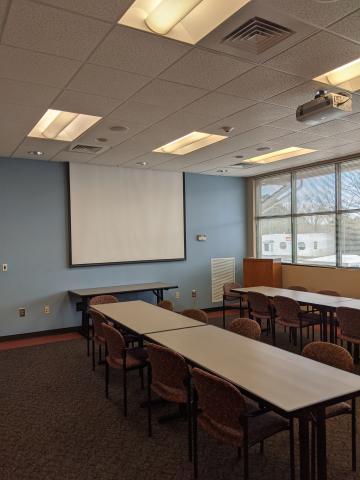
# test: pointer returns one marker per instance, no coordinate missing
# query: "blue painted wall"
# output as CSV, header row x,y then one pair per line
x,y
34,244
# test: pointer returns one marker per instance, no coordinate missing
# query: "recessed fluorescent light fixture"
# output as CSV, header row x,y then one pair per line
x,y
65,126
346,77
279,155
185,20
189,143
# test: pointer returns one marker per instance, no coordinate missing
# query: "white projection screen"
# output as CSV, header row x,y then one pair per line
x,y
120,215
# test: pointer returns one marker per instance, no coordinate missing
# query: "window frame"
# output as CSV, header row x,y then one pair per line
x,y
338,211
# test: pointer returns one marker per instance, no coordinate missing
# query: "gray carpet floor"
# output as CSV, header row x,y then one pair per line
x,y
55,424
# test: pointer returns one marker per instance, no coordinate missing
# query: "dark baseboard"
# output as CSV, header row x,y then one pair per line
x,y
42,333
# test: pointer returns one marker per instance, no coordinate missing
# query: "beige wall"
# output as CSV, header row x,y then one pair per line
x,y
345,281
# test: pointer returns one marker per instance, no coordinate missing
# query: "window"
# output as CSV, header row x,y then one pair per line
x,y
311,216
274,217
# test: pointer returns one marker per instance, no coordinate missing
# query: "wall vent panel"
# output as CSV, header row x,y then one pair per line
x,y
222,271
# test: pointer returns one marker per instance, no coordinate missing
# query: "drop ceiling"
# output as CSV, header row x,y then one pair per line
x,y
74,56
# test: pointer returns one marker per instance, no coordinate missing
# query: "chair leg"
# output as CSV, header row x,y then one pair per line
x,y
141,372
292,449
189,419
273,332
353,434
356,353
100,356
308,332
313,332
223,312
125,391
149,400
93,355
301,338
106,380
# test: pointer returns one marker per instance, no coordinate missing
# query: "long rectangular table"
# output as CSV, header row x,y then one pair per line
x,y
318,300
143,318
290,384
85,295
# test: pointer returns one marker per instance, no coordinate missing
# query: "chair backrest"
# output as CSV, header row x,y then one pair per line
x,y
246,327
115,342
167,367
102,299
332,293
196,314
97,319
330,354
258,303
349,321
287,308
167,304
218,399
227,289
298,288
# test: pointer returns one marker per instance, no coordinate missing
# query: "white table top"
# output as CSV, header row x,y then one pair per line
x,y
287,381
142,317
309,298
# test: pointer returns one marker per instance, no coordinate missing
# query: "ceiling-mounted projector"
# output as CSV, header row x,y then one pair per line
x,y
324,107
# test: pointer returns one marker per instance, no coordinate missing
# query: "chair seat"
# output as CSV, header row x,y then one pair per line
x,y
307,320
260,428
261,315
135,358
337,409
347,338
99,339
171,394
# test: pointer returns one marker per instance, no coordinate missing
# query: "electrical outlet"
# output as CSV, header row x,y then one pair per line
x,y
177,295
4,267
22,312
47,309
194,293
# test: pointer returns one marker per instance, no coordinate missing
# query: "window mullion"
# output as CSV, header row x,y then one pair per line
x,y
293,218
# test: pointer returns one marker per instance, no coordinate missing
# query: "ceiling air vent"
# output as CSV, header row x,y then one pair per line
x,y
86,149
257,35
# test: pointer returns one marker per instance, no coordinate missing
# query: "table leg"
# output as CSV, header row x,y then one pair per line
x,y
321,444
332,326
304,447
85,327
325,325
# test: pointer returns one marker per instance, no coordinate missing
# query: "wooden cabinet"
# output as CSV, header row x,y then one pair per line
x,y
262,272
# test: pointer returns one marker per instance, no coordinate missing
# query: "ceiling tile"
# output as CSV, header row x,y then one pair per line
x,y
120,154
349,26
109,82
255,116
353,118
70,101
334,140
23,93
174,95
66,156
3,11
139,113
315,12
152,159
218,105
316,55
288,123
136,51
48,147
50,30
261,83
332,128
297,96
108,10
35,67
294,139
102,130
205,69
16,121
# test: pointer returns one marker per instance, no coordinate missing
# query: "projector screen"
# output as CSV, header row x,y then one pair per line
x,y
120,215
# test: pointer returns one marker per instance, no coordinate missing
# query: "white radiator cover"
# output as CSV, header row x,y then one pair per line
x,y
222,271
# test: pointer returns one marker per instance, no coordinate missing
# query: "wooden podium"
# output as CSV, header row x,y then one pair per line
x,y
262,272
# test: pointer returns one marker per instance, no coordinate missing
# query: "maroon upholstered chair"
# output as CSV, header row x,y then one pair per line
x,y
329,316
246,327
332,293
233,300
167,304
349,325
103,299
289,314
196,314
260,308
298,288
223,415
169,378
120,357
337,357
98,338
